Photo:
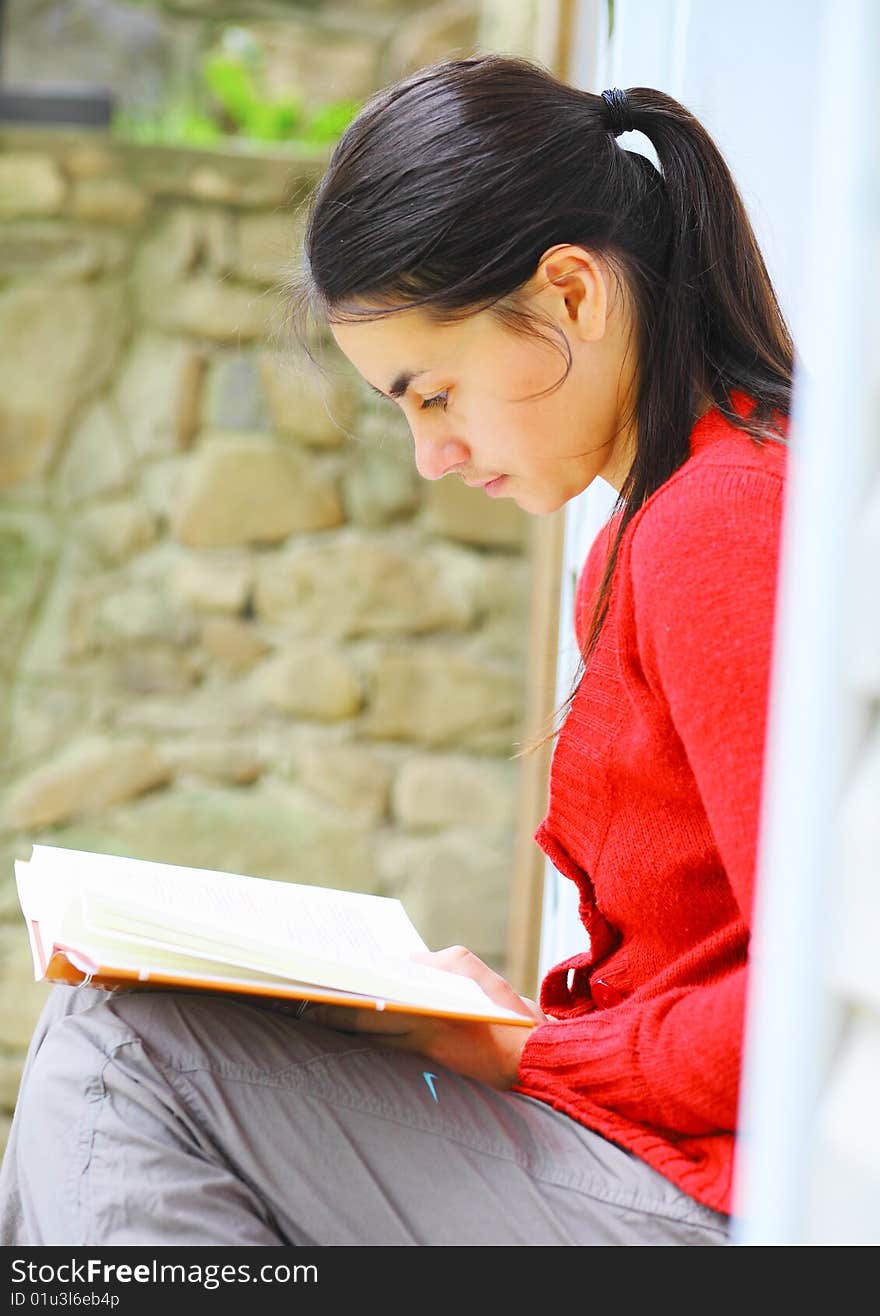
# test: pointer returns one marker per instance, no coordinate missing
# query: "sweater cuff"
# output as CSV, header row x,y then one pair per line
x,y
593,1057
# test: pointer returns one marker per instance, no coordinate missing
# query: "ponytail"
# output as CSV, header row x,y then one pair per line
x,y
708,318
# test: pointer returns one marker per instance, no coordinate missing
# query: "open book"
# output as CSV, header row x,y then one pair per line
x,y
115,922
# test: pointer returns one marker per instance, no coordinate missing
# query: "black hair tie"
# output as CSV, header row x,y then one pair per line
x,y
618,115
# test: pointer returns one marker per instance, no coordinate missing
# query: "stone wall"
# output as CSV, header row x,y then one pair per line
x,y
236,630
147,52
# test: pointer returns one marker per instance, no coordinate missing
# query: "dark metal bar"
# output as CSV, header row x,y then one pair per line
x,y
81,104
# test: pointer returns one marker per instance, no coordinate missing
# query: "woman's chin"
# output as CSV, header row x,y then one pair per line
x,y
539,504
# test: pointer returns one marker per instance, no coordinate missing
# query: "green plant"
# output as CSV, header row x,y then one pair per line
x,y
243,108
178,123
231,102
329,122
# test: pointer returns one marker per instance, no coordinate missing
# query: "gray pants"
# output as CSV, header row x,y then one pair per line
x,y
164,1118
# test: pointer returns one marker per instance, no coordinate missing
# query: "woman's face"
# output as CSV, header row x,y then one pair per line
x,y
466,388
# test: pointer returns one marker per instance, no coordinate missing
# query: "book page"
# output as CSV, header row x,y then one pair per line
x,y
334,924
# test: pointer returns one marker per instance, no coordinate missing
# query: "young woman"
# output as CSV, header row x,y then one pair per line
x,y
546,308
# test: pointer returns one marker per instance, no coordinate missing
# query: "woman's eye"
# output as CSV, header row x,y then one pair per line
x,y
438,400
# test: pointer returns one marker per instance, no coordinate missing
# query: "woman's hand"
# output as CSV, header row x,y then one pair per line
x,y
484,1051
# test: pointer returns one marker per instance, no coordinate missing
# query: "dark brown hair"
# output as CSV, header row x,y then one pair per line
x,y
448,187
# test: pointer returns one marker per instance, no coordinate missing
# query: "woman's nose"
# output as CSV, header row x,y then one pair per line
x,y
437,455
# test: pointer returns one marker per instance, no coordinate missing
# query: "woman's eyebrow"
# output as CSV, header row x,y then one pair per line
x,y
398,386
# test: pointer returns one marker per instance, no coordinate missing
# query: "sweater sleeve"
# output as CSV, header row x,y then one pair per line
x,y
702,565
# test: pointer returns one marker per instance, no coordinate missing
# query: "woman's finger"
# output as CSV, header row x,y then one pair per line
x,y
458,959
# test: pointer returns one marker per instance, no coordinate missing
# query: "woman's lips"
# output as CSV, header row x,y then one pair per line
x,y
491,487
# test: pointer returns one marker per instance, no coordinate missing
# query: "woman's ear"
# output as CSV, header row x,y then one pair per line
x,y
572,286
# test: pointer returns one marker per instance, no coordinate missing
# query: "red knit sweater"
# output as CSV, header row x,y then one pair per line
x,y
654,812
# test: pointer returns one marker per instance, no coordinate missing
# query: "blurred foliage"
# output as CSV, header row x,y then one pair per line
x,y
230,101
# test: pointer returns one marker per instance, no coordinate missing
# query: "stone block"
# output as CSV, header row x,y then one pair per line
x,y
502,590
358,584
182,285
150,670
310,680
306,405
77,329
234,643
245,488
209,184
229,761
354,779
152,394
447,29
454,790
160,482
238,179
380,424
87,159
87,777
267,247
214,708
380,485
10,910
441,696
458,512
188,240
209,308
96,459
30,184
11,848
108,201
455,887
323,64
114,614
54,251
212,580
270,829
44,711
28,548
234,397
47,646
117,529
